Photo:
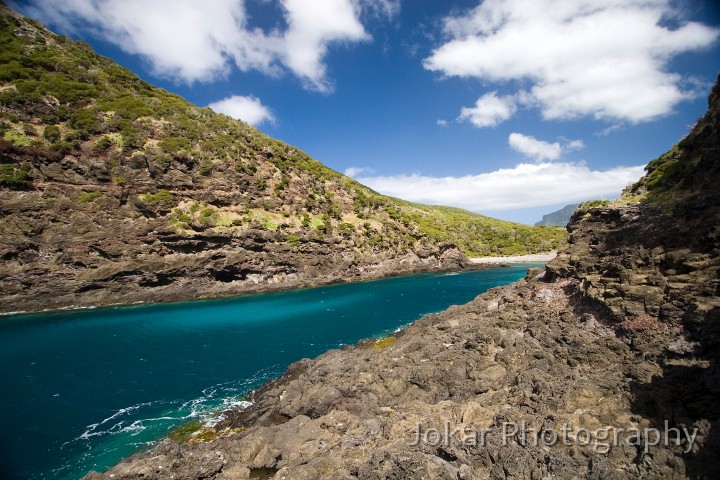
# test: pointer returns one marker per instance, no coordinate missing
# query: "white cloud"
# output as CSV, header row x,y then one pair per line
x,y
441,122
190,41
523,186
534,148
248,109
541,150
606,59
356,171
313,25
574,145
489,110
181,39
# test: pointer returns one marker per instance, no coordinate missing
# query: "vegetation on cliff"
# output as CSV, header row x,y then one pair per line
x,y
59,96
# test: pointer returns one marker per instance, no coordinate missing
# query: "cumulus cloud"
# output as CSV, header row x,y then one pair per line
x,y
489,110
248,109
606,59
190,41
541,150
524,186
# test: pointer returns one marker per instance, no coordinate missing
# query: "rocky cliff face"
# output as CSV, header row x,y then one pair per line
x,y
60,252
603,366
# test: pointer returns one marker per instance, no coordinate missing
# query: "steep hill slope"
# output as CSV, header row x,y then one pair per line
x,y
114,191
605,366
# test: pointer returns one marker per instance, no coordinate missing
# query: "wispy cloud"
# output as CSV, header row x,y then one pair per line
x,y
189,41
357,171
524,186
615,67
248,109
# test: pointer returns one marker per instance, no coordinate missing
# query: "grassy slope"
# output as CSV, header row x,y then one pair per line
x,y
59,96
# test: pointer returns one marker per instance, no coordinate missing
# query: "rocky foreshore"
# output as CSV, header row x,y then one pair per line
x,y
526,381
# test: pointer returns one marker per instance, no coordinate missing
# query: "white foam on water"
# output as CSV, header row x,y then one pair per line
x,y
94,429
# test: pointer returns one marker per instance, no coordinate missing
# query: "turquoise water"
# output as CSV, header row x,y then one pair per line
x,y
83,389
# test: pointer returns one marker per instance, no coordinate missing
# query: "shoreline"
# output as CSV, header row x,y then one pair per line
x,y
535,257
255,289
473,263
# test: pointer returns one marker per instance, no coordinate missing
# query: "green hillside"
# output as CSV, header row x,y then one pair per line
x,y
59,96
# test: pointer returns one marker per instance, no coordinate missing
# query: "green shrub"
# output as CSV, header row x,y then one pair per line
x,y
103,144
292,239
51,133
162,197
133,139
334,210
15,176
270,224
208,217
18,138
130,107
346,228
163,160
181,216
281,185
173,144
86,197
85,122
206,167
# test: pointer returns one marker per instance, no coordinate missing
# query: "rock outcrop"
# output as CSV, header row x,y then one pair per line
x,y
603,366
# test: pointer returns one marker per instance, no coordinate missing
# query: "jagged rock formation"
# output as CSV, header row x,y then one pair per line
x,y
114,191
603,366
558,218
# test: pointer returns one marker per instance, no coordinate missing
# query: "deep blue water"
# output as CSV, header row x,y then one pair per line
x,y
83,389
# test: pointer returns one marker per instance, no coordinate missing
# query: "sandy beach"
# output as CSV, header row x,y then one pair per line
x,y
536,257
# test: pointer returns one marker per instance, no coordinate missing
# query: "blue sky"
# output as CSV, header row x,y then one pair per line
x,y
510,108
